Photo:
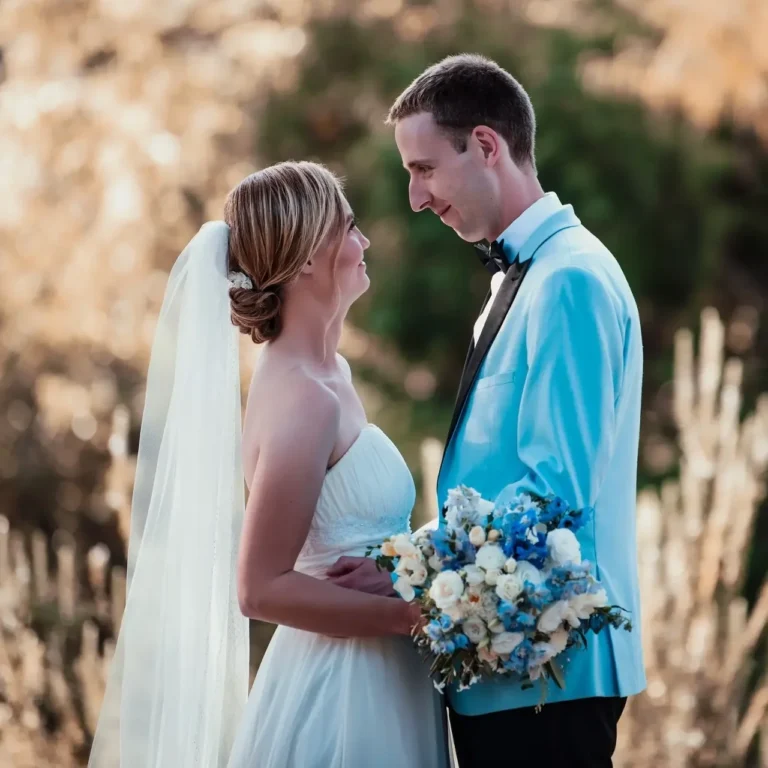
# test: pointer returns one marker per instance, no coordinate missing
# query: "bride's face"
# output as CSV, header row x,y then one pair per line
x,y
350,275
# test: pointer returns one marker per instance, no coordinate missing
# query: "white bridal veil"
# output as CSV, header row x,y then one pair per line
x,y
178,682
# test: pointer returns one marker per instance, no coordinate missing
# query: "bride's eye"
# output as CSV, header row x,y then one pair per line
x,y
353,224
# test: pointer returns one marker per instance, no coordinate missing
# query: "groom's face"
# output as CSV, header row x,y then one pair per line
x,y
453,185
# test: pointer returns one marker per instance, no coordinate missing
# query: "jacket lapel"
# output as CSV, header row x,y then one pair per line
x,y
476,355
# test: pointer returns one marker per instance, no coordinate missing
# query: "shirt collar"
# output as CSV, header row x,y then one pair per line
x,y
515,235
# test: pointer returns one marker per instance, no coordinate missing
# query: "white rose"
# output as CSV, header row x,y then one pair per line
x,y
572,618
490,557
388,549
509,586
474,629
492,577
477,536
418,575
559,640
407,564
528,572
510,565
404,589
506,642
553,616
584,605
404,546
435,563
446,589
474,575
493,535
563,547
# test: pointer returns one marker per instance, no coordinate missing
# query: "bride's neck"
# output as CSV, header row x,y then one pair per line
x,y
309,330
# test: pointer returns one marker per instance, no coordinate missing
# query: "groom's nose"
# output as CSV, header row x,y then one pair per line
x,y
418,195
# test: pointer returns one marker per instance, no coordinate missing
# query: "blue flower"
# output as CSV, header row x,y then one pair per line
x,y
538,595
534,552
445,622
525,619
465,551
441,543
515,664
558,504
506,610
461,640
577,519
434,630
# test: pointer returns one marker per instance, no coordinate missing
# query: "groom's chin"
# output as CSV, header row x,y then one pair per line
x,y
467,237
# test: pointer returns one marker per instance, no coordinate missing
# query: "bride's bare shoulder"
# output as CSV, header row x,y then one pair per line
x,y
287,411
289,395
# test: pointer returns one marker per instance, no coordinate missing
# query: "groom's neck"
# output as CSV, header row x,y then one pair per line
x,y
519,192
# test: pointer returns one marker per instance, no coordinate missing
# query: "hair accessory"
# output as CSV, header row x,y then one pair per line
x,y
240,280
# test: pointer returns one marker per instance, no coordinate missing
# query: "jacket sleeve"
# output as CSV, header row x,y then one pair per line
x,y
566,427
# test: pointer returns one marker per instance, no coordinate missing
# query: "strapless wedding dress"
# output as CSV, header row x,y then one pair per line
x,y
321,702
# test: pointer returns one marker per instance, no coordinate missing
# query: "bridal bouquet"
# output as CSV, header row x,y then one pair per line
x,y
503,591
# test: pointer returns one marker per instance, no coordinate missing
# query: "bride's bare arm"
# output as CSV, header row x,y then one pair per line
x,y
294,449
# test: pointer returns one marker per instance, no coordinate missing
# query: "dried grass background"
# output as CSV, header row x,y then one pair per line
x,y
705,649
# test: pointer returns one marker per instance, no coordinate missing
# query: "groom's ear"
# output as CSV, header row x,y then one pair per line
x,y
488,143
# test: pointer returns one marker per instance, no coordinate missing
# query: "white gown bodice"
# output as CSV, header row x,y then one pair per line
x,y
367,496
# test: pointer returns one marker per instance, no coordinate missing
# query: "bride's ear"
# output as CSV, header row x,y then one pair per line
x,y
309,267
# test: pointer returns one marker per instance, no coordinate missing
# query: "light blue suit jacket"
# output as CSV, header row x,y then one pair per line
x,y
555,408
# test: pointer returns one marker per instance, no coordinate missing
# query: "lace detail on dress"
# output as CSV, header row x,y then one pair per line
x,y
353,530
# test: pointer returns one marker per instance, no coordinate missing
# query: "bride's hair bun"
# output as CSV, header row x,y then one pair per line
x,y
256,312
278,218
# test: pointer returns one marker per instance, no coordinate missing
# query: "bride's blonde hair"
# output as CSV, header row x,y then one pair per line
x,y
278,218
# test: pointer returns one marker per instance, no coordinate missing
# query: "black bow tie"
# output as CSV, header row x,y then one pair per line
x,y
493,257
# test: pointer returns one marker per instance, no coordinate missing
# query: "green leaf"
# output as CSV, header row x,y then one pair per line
x,y
556,673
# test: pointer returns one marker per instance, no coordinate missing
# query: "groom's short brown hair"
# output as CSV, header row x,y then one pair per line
x,y
468,90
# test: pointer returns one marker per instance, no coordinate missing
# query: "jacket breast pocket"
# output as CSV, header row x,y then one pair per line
x,y
494,407
496,380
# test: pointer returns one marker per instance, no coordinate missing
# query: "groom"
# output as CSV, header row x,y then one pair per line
x,y
549,400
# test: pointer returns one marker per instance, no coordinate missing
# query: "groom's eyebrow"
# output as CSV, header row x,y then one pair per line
x,y
414,163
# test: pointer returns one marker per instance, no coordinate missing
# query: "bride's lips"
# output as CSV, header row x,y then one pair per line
x,y
443,212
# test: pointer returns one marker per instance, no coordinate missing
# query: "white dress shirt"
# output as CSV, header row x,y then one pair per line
x,y
515,236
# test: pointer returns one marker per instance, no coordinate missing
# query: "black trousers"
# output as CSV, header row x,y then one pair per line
x,y
571,734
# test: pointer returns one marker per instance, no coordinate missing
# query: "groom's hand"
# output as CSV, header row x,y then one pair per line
x,y
361,573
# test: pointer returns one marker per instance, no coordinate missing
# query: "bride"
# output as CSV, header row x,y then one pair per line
x,y
340,685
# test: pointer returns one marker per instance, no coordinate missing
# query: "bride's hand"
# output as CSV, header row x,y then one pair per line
x,y
361,574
